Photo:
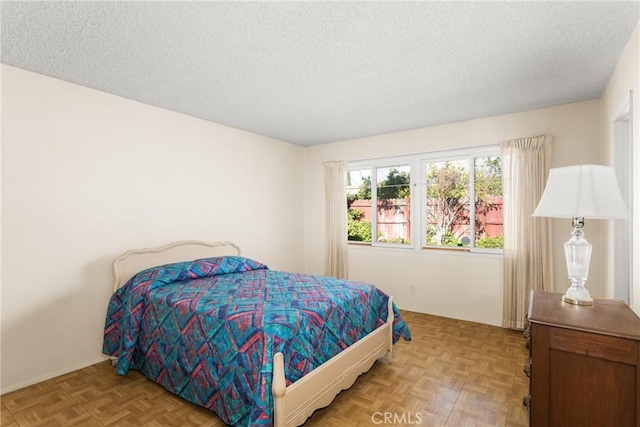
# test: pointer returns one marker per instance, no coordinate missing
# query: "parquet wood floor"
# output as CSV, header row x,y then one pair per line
x,y
454,373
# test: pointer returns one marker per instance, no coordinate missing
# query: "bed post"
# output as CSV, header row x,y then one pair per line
x,y
278,388
390,318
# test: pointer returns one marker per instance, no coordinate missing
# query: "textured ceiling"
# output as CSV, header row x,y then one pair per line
x,y
315,72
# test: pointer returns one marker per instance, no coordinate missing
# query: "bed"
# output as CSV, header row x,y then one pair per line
x,y
255,346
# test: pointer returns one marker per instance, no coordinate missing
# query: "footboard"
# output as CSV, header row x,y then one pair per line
x,y
297,402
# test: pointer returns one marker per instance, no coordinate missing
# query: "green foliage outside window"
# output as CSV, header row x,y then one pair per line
x,y
358,229
395,186
399,240
490,242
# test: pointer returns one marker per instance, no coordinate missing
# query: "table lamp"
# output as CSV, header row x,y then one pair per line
x,y
579,192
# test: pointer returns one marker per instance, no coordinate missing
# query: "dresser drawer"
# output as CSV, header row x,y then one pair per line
x,y
589,344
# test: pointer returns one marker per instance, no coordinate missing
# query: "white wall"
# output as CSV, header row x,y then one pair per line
x,y
86,176
463,286
626,78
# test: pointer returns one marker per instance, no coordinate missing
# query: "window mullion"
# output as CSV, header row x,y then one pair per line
x,y
472,202
374,205
416,201
424,219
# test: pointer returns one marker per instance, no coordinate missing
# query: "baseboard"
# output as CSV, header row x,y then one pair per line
x,y
32,381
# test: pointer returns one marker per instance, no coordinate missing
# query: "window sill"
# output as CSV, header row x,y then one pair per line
x,y
445,248
455,251
357,243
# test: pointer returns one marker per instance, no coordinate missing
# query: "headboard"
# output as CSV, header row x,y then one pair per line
x,y
131,262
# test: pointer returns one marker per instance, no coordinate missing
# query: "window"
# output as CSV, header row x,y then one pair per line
x,y
456,195
488,202
448,208
393,205
359,205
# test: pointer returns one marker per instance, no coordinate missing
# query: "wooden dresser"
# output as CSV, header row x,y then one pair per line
x,y
584,365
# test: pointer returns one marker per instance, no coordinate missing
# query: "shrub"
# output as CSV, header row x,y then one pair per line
x,y
490,242
358,230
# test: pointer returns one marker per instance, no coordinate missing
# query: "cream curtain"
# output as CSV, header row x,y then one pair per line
x,y
336,250
527,240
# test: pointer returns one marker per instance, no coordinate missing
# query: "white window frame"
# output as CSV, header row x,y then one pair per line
x,y
418,187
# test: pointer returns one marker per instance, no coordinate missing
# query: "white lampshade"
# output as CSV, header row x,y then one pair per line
x,y
587,191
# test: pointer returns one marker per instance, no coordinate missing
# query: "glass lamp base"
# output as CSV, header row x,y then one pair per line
x,y
577,294
577,301
578,253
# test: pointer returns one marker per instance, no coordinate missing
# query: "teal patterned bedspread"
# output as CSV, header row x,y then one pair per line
x,y
207,330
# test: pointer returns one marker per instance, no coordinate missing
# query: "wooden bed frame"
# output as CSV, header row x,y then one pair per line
x,y
295,403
